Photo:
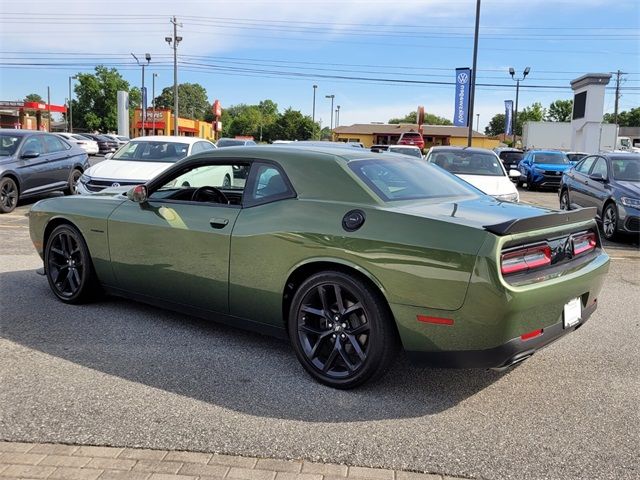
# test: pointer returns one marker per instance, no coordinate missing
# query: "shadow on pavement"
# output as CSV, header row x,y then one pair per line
x,y
228,367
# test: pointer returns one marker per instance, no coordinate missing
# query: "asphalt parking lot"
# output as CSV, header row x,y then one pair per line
x,y
119,373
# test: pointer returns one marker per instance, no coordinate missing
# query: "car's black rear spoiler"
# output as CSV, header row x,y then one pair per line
x,y
556,219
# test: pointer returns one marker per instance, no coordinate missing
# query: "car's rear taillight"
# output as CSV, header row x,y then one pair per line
x,y
527,258
584,243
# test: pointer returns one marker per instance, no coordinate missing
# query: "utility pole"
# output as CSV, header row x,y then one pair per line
x,y
472,90
615,111
49,109
70,129
176,40
313,115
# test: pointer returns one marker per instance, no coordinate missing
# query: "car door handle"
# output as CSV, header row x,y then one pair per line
x,y
218,222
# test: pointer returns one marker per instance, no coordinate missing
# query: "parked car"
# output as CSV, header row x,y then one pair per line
x,y
410,150
510,158
575,157
543,168
611,183
121,139
85,143
411,138
140,160
33,163
349,255
105,144
481,168
234,142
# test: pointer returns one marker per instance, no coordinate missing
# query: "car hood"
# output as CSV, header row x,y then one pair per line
x,y
490,184
476,212
127,170
629,188
553,166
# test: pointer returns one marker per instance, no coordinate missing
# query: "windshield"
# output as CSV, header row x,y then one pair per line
x,y
554,158
463,162
414,152
229,142
407,180
9,145
626,169
152,151
513,157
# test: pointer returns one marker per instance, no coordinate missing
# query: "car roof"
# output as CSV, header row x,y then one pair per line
x,y
414,147
169,139
21,133
545,151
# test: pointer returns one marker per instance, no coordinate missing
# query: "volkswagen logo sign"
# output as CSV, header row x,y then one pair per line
x,y
558,173
463,78
115,184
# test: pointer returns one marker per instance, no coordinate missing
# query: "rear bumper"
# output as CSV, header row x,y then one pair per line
x,y
502,356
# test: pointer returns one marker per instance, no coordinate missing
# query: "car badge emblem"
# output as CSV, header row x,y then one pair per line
x,y
115,184
557,173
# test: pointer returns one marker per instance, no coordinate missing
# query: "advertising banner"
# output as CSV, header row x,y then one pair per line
x,y
463,78
508,116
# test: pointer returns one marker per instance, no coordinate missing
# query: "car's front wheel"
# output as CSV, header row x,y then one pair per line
x,y
74,177
8,195
610,221
341,330
68,266
564,200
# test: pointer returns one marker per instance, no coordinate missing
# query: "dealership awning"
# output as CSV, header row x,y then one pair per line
x,y
187,129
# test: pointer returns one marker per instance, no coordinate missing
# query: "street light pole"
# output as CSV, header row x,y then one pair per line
x,y
153,101
313,115
477,122
331,115
70,119
337,116
143,110
472,90
176,40
512,72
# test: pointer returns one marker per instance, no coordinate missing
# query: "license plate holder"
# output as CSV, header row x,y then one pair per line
x,y
572,314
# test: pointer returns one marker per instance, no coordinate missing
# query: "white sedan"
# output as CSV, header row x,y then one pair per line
x,y
141,160
85,143
480,167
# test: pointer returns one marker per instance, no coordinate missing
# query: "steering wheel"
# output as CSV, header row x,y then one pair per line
x,y
209,194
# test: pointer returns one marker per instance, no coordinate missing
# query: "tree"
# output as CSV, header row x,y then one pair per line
x,y
33,97
429,119
96,105
192,100
560,111
625,119
292,125
495,126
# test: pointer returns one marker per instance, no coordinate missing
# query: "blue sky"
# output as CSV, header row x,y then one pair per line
x,y
247,50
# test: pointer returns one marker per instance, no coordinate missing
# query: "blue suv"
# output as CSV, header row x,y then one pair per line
x,y
543,168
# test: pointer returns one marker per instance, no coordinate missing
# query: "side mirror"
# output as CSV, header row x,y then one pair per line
x,y
108,156
30,154
514,173
597,177
138,194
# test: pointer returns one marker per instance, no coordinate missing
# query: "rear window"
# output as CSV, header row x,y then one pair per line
x,y
511,156
463,162
409,179
414,152
411,135
230,142
152,151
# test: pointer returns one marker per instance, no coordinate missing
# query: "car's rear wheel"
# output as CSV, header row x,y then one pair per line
x,y
565,203
74,177
610,221
68,266
341,330
8,195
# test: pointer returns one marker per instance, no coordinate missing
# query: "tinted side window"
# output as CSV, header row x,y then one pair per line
x,y
54,144
205,146
32,144
269,184
600,167
585,165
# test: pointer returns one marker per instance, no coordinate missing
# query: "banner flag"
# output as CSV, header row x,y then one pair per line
x,y
463,79
508,116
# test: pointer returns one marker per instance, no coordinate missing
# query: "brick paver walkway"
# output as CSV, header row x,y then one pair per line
x,y
71,462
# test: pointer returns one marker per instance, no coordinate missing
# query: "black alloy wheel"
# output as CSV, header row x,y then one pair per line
x,y
341,330
74,177
565,204
68,265
610,221
8,195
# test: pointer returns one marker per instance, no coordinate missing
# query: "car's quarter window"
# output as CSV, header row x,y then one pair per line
x,y
152,151
267,183
409,179
32,144
585,165
8,144
54,144
599,167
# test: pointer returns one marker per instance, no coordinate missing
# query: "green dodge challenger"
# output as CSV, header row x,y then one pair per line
x,y
350,254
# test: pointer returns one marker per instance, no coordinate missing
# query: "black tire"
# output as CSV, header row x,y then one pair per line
x,y
348,337
226,183
9,194
565,203
66,254
530,186
610,221
74,176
